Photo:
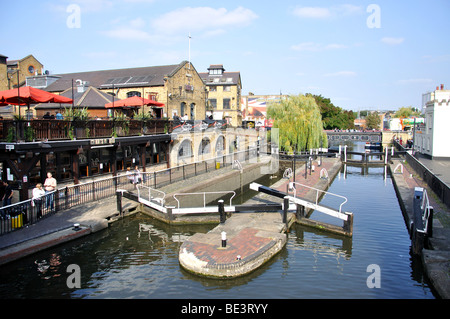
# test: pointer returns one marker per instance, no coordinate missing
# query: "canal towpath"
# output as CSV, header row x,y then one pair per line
x,y
436,257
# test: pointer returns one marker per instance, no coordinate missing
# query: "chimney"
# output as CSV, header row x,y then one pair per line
x,y
81,85
442,86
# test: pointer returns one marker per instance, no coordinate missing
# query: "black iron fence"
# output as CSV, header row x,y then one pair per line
x,y
16,216
438,186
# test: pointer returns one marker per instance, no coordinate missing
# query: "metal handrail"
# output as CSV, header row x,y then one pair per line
x,y
162,199
204,196
317,194
426,208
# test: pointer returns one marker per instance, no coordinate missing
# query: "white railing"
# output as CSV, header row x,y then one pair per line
x,y
318,191
204,196
152,194
426,210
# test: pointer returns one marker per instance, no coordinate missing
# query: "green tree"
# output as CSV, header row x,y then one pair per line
x,y
299,122
373,121
405,112
334,116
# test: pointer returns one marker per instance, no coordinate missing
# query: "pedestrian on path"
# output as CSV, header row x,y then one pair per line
x,y
36,201
8,194
137,177
50,187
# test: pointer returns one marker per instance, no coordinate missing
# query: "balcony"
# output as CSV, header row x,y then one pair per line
x,y
13,131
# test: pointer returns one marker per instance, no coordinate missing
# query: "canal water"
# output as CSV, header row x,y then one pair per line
x,y
137,257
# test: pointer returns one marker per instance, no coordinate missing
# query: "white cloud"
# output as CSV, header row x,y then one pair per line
x,y
341,74
317,47
327,12
392,41
202,19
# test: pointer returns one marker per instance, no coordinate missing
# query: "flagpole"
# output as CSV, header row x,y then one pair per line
x,y
189,50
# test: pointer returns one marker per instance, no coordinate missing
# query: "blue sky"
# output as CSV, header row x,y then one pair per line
x,y
360,54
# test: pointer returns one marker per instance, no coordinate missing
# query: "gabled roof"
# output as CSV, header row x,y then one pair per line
x,y
104,79
91,97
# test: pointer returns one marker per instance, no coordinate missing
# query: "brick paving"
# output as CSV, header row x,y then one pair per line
x,y
244,244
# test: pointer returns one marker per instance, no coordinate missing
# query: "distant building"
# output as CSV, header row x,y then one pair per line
x,y
432,138
254,109
224,93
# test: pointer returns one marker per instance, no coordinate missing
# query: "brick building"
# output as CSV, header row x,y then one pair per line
x,y
178,86
224,94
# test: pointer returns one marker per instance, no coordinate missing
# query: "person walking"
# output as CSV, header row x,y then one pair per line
x,y
36,201
50,187
137,177
8,194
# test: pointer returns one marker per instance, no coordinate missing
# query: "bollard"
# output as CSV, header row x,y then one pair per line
x,y
222,215
224,239
169,212
119,201
300,212
285,209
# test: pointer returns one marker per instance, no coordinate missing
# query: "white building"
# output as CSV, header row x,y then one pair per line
x,y
432,138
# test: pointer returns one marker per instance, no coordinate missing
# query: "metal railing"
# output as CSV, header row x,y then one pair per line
x,y
318,191
41,130
204,194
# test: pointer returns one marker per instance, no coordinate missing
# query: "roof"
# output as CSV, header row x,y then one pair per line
x,y
226,78
104,79
91,97
14,62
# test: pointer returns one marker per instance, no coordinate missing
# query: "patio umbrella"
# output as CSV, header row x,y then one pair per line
x,y
29,95
134,101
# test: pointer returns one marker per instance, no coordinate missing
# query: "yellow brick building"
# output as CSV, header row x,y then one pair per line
x,y
178,86
19,70
224,94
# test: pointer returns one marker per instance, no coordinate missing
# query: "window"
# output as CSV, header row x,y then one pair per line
x,y
213,103
227,88
226,104
133,93
215,72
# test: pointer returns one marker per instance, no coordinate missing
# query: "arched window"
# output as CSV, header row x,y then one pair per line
x,y
133,93
205,147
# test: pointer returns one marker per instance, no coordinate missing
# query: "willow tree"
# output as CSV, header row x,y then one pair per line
x,y
299,122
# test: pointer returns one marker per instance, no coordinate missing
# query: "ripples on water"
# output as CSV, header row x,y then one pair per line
x,y
123,262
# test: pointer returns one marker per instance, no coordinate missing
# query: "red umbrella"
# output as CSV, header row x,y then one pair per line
x,y
134,101
28,95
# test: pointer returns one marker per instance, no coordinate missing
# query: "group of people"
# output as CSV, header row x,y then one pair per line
x,y
135,176
48,116
40,191
6,194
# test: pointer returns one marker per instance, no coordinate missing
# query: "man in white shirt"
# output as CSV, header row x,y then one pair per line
x,y
50,186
